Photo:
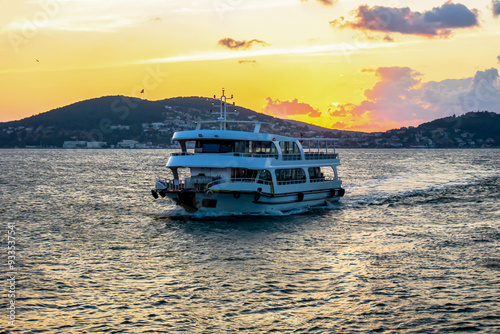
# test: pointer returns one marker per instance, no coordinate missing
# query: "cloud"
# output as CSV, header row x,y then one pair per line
x,y
236,45
388,38
383,101
484,93
366,36
324,2
327,2
283,109
436,22
400,98
498,58
496,7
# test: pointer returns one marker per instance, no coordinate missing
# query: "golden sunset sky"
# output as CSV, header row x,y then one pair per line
x,y
353,65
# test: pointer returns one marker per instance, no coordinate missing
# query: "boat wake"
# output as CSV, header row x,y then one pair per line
x,y
432,194
181,214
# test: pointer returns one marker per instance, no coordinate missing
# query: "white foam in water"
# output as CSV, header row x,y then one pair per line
x,y
179,212
377,190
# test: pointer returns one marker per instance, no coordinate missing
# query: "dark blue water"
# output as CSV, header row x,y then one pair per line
x,y
413,247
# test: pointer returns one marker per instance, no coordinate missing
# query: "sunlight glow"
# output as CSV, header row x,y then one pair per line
x,y
345,72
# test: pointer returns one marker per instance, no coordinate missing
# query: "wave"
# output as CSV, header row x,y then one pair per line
x,y
181,214
445,193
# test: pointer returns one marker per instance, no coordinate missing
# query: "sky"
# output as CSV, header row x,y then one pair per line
x,y
341,64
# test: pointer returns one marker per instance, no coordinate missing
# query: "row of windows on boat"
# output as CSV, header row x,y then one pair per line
x,y
286,174
243,146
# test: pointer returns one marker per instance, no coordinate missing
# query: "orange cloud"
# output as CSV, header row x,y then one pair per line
x,y
236,45
284,109
399,98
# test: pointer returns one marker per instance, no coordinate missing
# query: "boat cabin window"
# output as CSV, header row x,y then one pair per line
x,y
315,173
236,146
292,174
214,146
264,147
265,175
243,173
323,173
289,147
241,146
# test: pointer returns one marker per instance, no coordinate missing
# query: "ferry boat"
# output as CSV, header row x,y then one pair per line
x,y
249,172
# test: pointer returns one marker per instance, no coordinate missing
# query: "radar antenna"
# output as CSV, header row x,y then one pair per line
x,y
223,109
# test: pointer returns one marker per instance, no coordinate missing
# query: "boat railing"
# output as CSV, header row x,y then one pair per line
x,y
255,155
320,156
291,156
232,154
178,185
172,185
283,183
321,179
285,157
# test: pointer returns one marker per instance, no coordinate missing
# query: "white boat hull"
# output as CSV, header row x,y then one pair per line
x,y
251,202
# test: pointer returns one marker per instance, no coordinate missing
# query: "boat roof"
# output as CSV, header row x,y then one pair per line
x,y
228,135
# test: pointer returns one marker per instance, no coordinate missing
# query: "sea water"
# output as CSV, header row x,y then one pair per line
x,y
413,247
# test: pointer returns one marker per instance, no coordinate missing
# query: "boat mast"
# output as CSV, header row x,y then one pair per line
x,y
223,109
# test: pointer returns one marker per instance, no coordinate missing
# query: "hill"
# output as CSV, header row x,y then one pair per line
x,y
471,130
112,119
120,121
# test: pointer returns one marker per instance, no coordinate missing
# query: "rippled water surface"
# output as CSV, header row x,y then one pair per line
x,y
413,247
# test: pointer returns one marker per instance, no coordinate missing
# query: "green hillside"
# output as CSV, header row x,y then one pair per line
x,y
484,123
112,119
93,120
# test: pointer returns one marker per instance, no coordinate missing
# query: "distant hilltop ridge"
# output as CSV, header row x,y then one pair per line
x,y
113,119
120,121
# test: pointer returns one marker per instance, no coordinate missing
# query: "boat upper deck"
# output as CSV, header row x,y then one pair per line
x,y
224,148
219,148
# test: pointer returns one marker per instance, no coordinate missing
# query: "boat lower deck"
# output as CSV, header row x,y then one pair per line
x,y
251,202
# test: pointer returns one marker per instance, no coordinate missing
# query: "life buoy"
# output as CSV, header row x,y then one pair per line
x,y
236,194
300,197
256,197
209,193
